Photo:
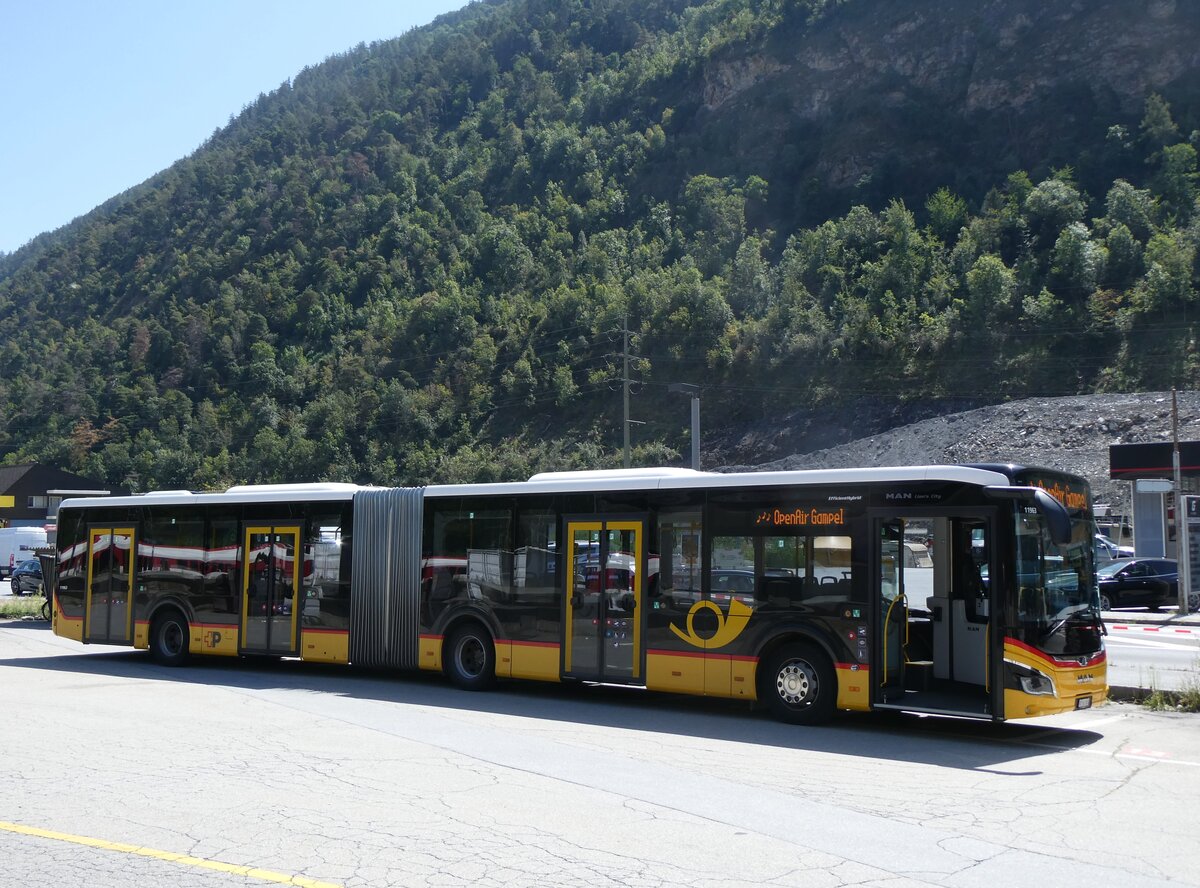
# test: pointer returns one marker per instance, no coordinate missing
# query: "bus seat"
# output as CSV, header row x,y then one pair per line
x,y
1031,604
784,591
442,588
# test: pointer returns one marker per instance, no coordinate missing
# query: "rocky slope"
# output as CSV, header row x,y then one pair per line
x,y
898,92
1071,433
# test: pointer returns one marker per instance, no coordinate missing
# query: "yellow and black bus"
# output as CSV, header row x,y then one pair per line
x,y
958,590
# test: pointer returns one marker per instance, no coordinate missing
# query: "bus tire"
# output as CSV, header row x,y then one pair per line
x,y
169,638
470,658
798,685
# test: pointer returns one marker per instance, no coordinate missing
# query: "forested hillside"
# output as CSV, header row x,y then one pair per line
x,y
414,262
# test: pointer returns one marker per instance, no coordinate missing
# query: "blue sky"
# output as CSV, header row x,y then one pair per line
x,y
96,97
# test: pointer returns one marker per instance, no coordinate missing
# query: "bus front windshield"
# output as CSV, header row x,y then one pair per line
x,y
1057,606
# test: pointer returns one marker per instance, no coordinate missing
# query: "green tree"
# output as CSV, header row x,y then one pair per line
x,y
1134,208
1158,128
1167,284
1077,263
991,288
947,214
1176,180
1051,206
714,210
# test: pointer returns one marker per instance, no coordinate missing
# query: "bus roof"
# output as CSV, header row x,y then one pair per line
x,y
568,482
250,493
676,479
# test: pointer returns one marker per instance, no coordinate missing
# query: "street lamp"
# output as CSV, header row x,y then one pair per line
x,y
685,388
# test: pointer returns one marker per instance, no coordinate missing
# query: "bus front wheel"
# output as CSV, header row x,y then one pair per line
x,y
799,685
470,658
169,638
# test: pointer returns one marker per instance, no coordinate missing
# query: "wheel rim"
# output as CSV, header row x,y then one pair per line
x,y
172,638
1105,604
796,683
471,656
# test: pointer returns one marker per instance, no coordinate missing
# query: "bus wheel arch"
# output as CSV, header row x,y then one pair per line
x,y
797,681
169,636
469,656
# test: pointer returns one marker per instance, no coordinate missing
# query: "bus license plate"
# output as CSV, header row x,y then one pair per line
x,y
1083,703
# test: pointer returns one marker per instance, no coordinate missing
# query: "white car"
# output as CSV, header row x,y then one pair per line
x,y
1107,550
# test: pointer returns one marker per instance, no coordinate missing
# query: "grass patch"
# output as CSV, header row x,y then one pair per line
x,y
29,606
1187,699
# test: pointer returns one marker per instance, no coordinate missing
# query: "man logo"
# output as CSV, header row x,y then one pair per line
x,y
728,627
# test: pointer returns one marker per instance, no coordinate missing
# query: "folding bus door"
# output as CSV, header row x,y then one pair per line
x,y
893,609
108,618
271,590
605,581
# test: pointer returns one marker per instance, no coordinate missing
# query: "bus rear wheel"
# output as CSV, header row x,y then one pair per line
x,y
470,658
169,638
798,685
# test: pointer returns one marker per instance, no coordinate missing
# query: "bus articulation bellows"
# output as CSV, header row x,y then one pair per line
x,y
957,590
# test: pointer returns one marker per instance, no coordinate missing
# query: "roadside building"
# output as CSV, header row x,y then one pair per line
x,y
37,491
1150,469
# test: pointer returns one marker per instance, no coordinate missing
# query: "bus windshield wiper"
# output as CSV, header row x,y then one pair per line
x,y
1083,610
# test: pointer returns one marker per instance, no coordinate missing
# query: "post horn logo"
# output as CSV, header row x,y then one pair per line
x,y
728,627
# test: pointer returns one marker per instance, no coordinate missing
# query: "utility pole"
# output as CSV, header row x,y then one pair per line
x,y
1183,555
625,383
685,388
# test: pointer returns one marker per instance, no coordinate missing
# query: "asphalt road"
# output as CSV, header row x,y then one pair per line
x,y
1152,655
235,774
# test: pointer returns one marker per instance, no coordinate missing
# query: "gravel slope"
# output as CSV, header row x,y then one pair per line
x,y
1071,433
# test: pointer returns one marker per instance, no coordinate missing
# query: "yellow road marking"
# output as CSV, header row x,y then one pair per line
x,y
170,856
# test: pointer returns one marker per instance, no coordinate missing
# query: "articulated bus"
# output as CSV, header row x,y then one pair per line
x,y
803,591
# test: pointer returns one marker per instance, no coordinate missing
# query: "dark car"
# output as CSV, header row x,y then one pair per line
x,y
27,577
739,583
1129,582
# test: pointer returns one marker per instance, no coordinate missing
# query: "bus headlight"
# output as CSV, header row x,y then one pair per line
x,y
1033,681
1037,684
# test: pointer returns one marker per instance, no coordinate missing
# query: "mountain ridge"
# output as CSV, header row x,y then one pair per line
x,y
416,261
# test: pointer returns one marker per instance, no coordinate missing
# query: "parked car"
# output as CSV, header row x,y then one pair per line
x,y
727,583
27,577
1128,582
17,545
1107,550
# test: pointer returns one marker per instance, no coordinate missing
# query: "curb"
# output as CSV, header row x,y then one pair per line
x,y
1150,618
1130,626
1120,694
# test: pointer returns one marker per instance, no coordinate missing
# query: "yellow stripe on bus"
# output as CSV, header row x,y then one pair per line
x,y
170,857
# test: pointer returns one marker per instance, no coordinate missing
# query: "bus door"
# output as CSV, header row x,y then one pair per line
x,y
108,618
934,613
271,590
893,610
961,627
605,578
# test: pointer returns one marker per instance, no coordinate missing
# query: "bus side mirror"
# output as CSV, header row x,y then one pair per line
x,y
1058,520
